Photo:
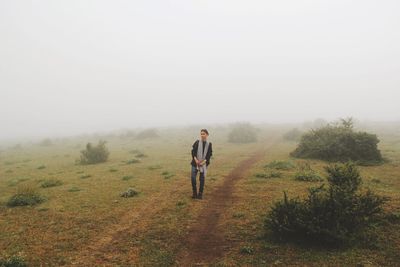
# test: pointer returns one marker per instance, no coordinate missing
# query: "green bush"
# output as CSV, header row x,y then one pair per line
x,y
307,174
337,215
242,133
51,183
280,165
339,143
26,196
130,192
95,154
13,261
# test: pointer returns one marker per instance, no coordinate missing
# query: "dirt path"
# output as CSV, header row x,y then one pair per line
x,y
203,244
205,241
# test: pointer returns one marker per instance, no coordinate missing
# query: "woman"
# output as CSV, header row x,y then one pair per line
x,y
201,154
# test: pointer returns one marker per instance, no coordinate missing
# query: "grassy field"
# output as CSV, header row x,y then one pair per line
x,y
85,222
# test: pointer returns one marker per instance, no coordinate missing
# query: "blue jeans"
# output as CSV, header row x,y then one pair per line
x,y
194,176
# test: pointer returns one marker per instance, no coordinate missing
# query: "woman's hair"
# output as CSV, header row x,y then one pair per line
x,y
204,130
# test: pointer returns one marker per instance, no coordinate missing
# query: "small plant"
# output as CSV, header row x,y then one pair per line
x,y
86,176
141,155
167,174
94,154
41,167
50,183
239,215
272,174
307,174
130,192
246,250
74,189
280,165
13,261
132,161
112,170
180,204
26,195
127,177
154,167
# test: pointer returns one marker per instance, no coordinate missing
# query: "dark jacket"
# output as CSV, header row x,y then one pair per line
x,y
194,152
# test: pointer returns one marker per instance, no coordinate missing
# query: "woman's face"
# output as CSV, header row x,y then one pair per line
x,y
203,136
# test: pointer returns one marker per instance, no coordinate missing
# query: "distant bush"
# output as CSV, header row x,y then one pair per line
x,y
337,215
51,183
46,142
293,135
26,195
340,143
280,165
41,167
242,133
307,174
147,134
95,154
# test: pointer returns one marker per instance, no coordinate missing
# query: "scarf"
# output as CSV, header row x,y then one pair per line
x,y
202,156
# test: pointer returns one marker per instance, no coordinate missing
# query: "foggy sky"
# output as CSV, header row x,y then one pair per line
x,y
78,66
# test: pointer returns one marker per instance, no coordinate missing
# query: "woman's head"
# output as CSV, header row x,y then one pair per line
x,y
204,134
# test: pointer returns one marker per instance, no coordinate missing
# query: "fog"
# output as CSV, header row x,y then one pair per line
x,y
68,67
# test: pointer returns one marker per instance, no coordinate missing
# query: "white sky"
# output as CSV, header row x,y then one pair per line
x,y
77,66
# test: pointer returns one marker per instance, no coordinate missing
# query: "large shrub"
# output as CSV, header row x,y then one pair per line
x,y
339,142
94,154
243,133
339,214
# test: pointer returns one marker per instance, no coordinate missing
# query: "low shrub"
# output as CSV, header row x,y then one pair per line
x,y
307,174
13,261
132,161
130,192
281,165
51,183
26,195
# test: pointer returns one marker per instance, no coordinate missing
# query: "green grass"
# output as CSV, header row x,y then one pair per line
x,y
81,211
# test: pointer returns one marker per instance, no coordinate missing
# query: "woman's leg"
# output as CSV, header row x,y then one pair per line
x,y
202,180
193,177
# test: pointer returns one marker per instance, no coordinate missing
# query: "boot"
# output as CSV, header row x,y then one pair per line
x,y
200,195
194,194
